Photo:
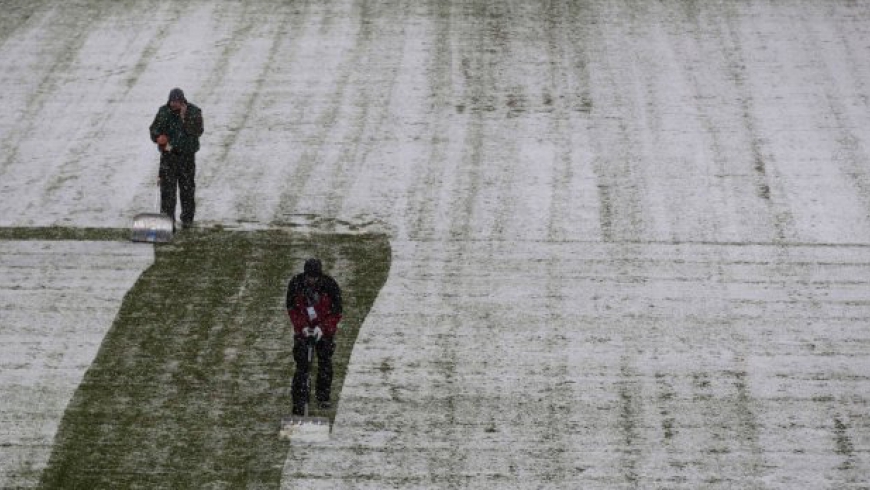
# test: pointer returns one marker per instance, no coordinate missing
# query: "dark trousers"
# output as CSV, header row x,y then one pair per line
x,y
177,174
323,350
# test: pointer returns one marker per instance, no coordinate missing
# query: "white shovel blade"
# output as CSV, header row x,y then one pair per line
x,y
305,429
152,228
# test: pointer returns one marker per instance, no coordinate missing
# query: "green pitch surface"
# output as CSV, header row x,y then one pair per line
x,y
190,384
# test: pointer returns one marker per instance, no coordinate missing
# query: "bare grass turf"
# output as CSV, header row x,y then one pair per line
x,y
189,386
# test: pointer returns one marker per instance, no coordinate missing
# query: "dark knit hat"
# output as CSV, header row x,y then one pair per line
x,y
313,268
176,94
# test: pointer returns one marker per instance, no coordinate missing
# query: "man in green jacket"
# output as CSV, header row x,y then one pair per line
x,y
176,130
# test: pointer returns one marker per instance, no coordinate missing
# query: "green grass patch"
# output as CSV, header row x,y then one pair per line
x,y
64,233
189,385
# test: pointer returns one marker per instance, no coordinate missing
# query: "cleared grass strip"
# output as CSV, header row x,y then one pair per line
x,y
64,233
189,385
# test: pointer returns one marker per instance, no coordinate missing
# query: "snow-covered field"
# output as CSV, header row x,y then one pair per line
x,y
57,301
631,239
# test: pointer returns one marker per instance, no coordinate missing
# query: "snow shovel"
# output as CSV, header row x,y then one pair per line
x,y
305,429
153,227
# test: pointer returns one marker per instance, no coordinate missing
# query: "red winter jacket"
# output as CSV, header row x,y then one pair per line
x,y
324,297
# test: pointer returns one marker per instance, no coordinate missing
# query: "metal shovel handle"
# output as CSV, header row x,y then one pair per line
x,y
308,379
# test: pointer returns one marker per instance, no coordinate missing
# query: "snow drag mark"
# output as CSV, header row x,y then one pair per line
x,y
323,91
617,125
45,64
828,44
262,41
383,37
574,207
430,118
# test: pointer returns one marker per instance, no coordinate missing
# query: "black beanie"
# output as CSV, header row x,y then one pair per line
x,y
176,94
313,268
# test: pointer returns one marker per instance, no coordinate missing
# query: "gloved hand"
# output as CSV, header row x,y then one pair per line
x,y
163,144
315,332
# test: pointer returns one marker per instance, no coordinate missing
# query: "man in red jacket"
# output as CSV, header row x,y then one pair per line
x,y
314,306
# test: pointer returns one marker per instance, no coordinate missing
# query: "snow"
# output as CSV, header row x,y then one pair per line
x,y
57,302
631,239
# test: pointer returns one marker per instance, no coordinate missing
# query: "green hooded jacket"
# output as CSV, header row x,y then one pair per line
x,y
183,135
